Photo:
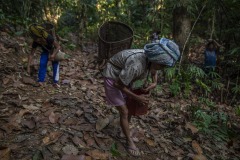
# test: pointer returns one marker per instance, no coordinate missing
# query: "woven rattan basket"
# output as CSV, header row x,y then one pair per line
x,y
113,37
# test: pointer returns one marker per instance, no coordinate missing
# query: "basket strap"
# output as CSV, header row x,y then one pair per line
x,y
125,61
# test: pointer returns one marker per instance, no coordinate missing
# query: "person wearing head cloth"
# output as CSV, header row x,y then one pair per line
x,y
123,69
41,38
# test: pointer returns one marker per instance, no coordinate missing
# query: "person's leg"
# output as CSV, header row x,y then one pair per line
x,y
42,67
55,65
116,98
124,123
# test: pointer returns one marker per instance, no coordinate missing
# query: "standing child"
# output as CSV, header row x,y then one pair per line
x,y
41,38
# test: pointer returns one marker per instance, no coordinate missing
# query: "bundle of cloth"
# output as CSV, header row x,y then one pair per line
x,y
164,52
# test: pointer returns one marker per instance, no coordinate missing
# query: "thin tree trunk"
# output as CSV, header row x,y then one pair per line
x,y
185,43
181,27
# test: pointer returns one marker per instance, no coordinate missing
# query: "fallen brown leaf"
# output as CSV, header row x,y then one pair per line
x,y
29,123
70,149
150,142
4,153
101,123
191,127
199,157
53,118
96,154
78,142
72,157
30,107
197,147
79,113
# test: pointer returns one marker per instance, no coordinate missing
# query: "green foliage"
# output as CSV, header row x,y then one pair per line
x,y
175,87
213,124
114,150
63,32
236,90
195,72
207,102
71,46
237,110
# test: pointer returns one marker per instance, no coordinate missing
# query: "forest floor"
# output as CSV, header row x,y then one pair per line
x,y
73,122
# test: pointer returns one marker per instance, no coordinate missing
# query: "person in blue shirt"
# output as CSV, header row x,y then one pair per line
x,y
210,55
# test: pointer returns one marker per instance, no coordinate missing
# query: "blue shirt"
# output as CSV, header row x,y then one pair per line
x,y
210,58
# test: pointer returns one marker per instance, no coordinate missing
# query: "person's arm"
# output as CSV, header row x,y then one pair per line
x,y
61,39
55,51
30,58
154,81
142,98
217,44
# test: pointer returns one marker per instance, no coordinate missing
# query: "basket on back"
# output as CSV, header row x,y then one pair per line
x,y
113,37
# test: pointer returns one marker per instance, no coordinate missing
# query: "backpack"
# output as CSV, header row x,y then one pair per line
x,y
41,30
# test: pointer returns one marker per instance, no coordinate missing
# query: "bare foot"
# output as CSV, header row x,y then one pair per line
x,y
56,85
132,149
132,135
38,84
41,83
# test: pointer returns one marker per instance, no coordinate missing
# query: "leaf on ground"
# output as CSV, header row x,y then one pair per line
x,y
23,112
177,153
197,156
150,142
70,149
101,123
79,113
55,135
5,80
53,118
37,156
78,142
191,127
30,107
88,158
29,123
90,142
99,142
72,157
197,147
70,121
96,154
28,80
66,81
5,153
90,117
46,140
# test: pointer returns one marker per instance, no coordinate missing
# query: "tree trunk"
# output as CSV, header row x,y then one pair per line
x,y
181,27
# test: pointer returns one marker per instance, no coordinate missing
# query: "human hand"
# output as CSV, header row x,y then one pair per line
x,y
143,99
52,57
210,40
150,87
